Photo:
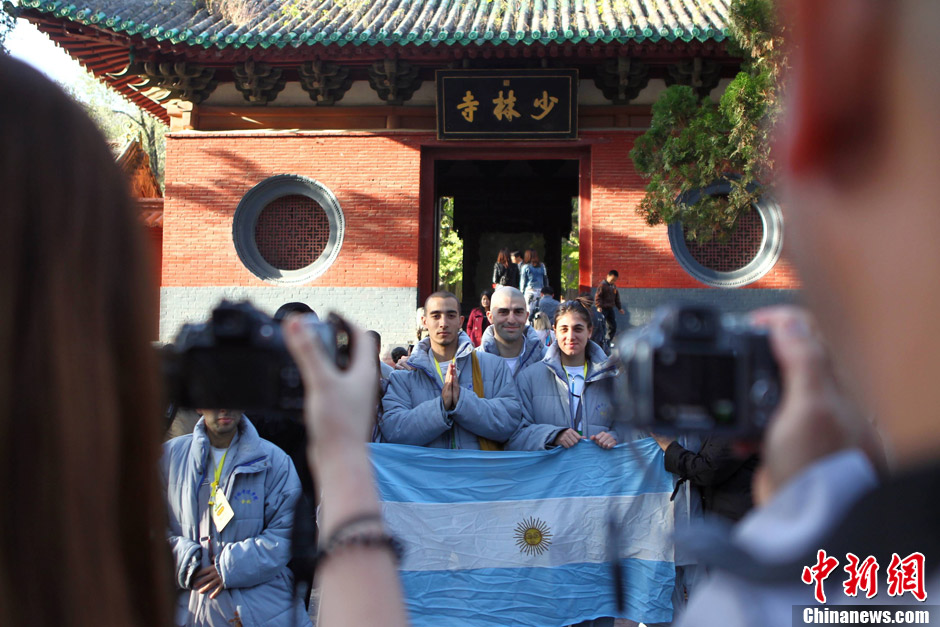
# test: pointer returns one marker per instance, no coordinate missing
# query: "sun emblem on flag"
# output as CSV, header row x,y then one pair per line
x,y
533,536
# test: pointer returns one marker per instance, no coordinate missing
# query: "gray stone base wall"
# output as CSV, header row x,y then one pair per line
x,y
640,303
390,311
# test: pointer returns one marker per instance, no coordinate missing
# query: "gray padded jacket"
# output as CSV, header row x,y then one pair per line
x,y
532,352
543,393
414,410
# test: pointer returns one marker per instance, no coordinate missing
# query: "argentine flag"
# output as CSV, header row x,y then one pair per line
x,y
520,538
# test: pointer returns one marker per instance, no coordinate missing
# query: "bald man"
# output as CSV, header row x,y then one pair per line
x,y
508,335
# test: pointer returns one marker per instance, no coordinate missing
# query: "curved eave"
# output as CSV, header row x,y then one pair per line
x,y
104,59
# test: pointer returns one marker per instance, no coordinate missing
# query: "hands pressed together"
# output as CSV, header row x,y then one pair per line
x,y
451,391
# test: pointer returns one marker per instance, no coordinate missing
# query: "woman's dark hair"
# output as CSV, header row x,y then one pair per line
x,y
487,292
574,306
532,257
82,537
503,257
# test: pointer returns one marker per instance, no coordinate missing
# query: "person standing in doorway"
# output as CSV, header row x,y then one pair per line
x,y
518,259
478,320
533,280
607,302
505,273
547,304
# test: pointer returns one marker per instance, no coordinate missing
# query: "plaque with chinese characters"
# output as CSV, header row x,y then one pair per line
x,y
507,104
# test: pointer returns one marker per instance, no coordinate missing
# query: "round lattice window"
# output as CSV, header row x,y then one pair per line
x,y
752,249
288,229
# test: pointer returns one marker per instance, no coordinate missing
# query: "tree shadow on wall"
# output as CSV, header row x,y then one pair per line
x,y
379,230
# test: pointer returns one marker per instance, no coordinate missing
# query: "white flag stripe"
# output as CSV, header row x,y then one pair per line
x,y
447,536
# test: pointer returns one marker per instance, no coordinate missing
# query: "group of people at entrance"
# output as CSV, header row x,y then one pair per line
x,y
529,274
521,270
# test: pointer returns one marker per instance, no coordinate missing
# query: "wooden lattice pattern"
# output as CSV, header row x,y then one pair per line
x,y
739,250
292,232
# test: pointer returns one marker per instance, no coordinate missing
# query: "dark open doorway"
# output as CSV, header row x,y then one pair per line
x,y
514,204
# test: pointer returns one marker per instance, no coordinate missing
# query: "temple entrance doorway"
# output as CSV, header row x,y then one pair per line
x,y
515,204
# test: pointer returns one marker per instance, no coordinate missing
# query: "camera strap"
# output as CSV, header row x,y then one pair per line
x,y
485,443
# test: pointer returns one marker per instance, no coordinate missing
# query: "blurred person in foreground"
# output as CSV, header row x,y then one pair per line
x,y
859,191
81,534
81,418
356,554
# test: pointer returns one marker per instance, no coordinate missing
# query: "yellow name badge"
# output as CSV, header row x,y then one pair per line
x,y
222,512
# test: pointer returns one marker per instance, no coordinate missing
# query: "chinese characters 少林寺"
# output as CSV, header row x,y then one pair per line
x,y
506,106
469,106
546,103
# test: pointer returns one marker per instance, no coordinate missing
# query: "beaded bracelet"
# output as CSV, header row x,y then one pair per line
x,y
341,538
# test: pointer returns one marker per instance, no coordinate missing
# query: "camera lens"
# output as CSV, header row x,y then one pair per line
x,y
692,322
765,393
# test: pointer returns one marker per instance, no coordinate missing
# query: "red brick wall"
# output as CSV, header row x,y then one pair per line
x,y
375,180
621,237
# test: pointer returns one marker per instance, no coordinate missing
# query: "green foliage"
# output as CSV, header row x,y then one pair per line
x,y
691,145
7,24
570,255
120,121
450,262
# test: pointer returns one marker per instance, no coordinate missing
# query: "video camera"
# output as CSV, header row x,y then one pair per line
x,y
694,370
238,360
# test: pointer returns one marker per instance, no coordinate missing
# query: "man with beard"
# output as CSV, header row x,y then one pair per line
x,y
436,404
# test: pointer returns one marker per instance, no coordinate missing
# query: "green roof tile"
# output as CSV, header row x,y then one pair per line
x,y
431,22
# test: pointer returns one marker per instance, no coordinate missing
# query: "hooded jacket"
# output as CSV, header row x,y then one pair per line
x,y
543,392
414,410
533,350
253,549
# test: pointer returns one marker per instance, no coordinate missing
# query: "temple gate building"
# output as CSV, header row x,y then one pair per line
x,y
313,143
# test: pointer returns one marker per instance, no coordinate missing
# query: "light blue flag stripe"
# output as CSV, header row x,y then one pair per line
x,y
535,589
414,474
538,597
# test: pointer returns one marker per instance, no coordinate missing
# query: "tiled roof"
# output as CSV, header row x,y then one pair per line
x,y
280,23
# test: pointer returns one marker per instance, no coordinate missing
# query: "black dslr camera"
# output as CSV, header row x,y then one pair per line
x,y
693,369
238,360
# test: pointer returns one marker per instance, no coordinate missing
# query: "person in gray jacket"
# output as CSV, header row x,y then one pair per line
x,y
231,563
508,336
434,404
567,396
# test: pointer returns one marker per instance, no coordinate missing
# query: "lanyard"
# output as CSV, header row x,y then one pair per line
x,y
438,366
572,396
215,484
